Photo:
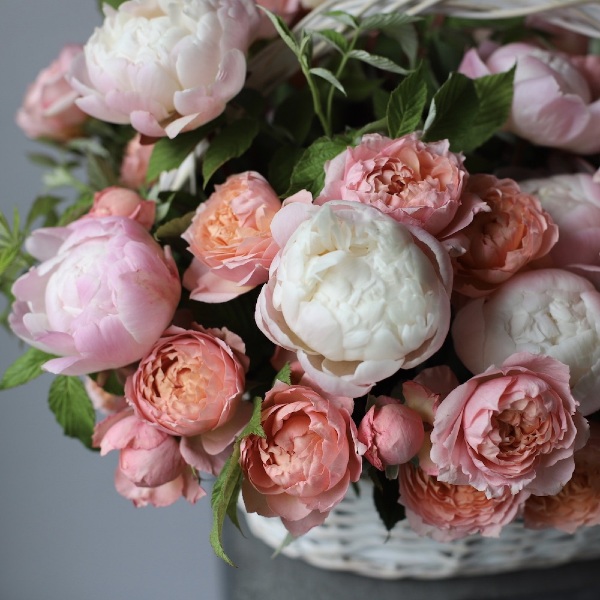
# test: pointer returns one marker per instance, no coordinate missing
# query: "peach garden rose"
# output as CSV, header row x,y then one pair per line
x,y
116,201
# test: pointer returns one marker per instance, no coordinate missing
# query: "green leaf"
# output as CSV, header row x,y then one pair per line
x,y
175,227
452,111
285,374
230,143
72,408
309,174
113,3
380,62
386,21
76,210
100,172
168,153
335,38
27,367
406,104
43,207
281,166
7,256
296,114
43,160
385,498
254,426
329,77
344,18
283,30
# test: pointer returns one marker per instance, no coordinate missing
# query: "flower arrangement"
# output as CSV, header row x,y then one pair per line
x,y
313,249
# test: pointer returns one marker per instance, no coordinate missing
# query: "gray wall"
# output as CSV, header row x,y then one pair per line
x,y
65,534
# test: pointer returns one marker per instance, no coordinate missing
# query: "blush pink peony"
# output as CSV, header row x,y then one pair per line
x,y
165,66
121,202
501,241
134,165
578,502
303,466
354,293
102,295
49,109
230,238
553,104
515,427
447,512
411,181
151,469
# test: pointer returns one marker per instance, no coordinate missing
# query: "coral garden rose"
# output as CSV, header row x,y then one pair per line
x,y
573,201
392,432
134,165
447,512
552,101
230,238
151,469
49,109
102,295
303,466
165,66
121,202
578,502
354,293
547,311
191,381
515,427
501,241
411,181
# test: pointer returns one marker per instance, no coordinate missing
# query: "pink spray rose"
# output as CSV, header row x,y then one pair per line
x,y
514,428
354,293
573,201
552,102
303,467
120,202
135,163
151,469
447,512
412,181
547,311
501,241
230,238
102,296
578,502
49,109
165,66
392,432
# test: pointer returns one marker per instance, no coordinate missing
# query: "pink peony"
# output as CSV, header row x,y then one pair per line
x,y
547,311
514,428
412,181
121,202
230,238
552,102
578,502
501,241
447,512
392,432
151,469
49,109
354,293
102,296
135,163
165,66
303,467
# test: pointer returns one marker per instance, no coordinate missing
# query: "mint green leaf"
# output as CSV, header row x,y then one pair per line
x,y
406,104
285,374
230,143
380,62
329,77
168,153
309,172
72,408
283,30
344,18
335,38
27,367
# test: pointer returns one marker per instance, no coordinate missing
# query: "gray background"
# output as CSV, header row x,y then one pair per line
x,y
65,533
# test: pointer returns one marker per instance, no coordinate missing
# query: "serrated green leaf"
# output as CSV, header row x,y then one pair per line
x,y
406,104
283,30
386,21
343,17
168,154
380,62
309,172
329,77
175,227
72,408
230,143
285,374
335,38
254,426
27,367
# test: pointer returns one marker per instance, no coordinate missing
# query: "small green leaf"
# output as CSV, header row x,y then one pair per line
x,y
7,256
72,408
230,143
406,104
285,374
43,160
254,426
386,21
329,77
113,3
76,210
43,207
335,38
380,62
283,30
281,166
175,227
344,18
385,498
27,367
100,172
296,114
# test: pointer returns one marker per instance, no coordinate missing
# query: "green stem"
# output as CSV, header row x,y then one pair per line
x,y
325,123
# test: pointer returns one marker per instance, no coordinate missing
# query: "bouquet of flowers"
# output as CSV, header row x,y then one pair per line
x,y
319,241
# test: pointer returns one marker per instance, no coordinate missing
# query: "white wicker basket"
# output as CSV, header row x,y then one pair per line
x,y
354,539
